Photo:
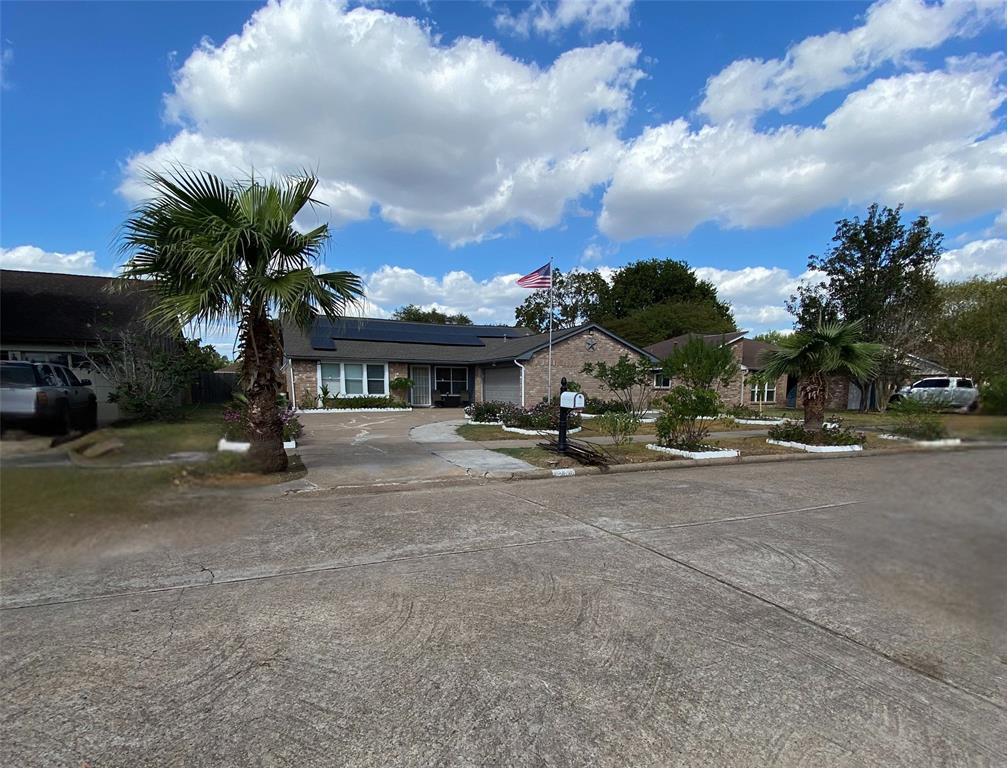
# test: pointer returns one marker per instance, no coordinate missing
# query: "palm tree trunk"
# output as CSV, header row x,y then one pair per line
x,y
262,357
815,393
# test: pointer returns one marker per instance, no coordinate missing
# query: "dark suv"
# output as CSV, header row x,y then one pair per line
x,y
45,396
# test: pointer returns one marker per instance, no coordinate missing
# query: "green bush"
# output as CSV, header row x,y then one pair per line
x,y
795,432
917,420
680,424
993,396
541,416
489,410
361,401
597,405
619,426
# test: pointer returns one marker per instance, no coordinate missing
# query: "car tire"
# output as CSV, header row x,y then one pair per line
x,y
973,406
63,422
91,417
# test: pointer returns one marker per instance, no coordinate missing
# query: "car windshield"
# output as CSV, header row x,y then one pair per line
x,y
17,376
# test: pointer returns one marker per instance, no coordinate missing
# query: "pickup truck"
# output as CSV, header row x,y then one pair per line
x,y
45,396
946,391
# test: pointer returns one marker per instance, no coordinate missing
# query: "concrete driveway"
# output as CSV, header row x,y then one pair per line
x,y
846,612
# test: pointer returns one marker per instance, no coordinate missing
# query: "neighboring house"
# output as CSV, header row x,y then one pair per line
x,y
47,317
847,394
448,364
740,390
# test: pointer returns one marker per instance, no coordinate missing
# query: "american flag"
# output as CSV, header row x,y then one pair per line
x,y
540,278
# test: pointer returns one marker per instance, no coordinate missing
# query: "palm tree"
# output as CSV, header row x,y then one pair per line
x,y
816,355
220,254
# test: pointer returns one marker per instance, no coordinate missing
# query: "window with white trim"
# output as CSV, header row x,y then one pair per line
x,y
354,379
762,393
661,381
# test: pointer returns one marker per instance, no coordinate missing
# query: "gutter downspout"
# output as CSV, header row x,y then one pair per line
x,y
293,395
522,380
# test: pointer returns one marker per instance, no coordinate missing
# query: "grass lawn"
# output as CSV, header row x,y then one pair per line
x,y
199,429
588,430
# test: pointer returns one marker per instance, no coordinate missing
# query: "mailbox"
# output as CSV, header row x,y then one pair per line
x,y
574,400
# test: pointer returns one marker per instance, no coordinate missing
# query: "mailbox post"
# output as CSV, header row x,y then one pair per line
x,y
568,401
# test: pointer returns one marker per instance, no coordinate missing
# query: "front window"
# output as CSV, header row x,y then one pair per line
x,y
762,393
451,381
353,379
661,381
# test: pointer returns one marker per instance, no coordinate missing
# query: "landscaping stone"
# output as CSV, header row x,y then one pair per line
x,y
519,431
816,448
235,447
725,453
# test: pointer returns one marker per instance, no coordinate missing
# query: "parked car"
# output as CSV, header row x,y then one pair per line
x,y
946,391
45,396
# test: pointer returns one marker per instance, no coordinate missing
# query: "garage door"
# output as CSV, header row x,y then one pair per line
x,y
502,384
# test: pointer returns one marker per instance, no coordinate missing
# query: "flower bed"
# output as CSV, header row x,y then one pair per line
x,y
712,453
520,431
939,443
355,410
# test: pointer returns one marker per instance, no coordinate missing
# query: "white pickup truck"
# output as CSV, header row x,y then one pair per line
x,y
949,391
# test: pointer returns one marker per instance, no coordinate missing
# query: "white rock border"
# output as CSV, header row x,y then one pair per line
x,y
816,448
353,410
519,431
234,447
941,443
725,453
765,422
644,420
485,423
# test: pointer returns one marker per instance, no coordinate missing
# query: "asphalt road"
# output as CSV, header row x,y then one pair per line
x,y
840,612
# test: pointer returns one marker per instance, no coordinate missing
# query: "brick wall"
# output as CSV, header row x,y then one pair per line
x,y
305,378
568,357
396,370
736,391
477,391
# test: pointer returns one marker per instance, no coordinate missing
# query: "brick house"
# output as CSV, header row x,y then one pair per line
x,y
740,390
448,364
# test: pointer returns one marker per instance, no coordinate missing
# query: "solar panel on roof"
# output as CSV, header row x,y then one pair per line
x,y
325,332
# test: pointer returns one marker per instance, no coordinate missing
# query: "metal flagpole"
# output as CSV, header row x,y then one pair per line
x,y
549,377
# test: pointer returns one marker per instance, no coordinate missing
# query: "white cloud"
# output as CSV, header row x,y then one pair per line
x,y
980,257
460,139
923,139
891,31
33,258
548,19
757,295
484,301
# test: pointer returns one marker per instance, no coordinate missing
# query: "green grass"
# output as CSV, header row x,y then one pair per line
x,y
634,453
198,429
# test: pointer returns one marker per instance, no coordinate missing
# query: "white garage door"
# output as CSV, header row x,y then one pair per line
x,y
503,384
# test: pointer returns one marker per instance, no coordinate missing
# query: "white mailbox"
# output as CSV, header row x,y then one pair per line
x,y
571,400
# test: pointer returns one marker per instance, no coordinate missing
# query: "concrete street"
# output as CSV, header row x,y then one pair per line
x,y
844,612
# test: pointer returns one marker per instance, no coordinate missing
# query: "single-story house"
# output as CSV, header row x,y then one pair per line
x,y
448,364
46,317
740,390
847,394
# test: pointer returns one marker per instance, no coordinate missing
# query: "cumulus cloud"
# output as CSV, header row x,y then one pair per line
x,y
757,295
33,258
926,139
547,18
980,257
892,30
485,301
459,139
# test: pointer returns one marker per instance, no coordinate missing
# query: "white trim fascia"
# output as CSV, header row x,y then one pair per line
x,y
518,364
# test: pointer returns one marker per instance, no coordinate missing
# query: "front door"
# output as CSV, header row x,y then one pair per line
x,y
419,393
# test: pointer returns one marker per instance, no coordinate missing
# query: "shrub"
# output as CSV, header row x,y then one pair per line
x,y
993,396
541,416
837,435
619,426
597,405
631,382
292,427
361,401
679,425
917,420
489,410
741,412
236,423
400,383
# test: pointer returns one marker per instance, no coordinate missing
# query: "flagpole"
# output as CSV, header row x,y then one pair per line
x,y
549,377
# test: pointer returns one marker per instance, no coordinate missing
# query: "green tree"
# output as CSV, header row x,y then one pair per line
x,y
214,254
770,337
643,284
881,273
199,357
816,355
575,301
631,382
969,335
700,365
673,318
416,314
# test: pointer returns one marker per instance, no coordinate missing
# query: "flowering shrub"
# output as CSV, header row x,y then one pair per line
x,y
236,426
596,405
541,416
486,411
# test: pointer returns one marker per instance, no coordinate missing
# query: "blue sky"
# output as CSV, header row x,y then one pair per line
x,y
461,144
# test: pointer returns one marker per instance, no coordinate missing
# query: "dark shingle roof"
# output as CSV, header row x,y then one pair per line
x,y
43,307
664,348
495,343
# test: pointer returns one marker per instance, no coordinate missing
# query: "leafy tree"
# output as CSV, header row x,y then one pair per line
x,y
200,357
969,335
682,423
214,254
416,314
643,284
662,321
575,300
879,272
699,365
631,382
770,337
830,349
